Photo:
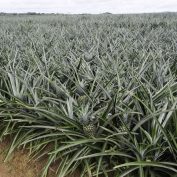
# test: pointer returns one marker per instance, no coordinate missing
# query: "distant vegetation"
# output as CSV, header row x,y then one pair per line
x,y
95,92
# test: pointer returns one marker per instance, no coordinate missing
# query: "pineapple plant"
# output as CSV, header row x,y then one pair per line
x,y
88,57
81,88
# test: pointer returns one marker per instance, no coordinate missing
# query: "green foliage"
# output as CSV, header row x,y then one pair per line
x,y
98,93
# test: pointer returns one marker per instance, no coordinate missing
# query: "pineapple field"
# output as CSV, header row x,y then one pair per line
x,y
91,93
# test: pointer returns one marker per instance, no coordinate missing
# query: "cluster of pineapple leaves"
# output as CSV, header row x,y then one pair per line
x,y
116,74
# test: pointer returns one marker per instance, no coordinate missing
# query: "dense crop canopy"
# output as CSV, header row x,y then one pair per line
x,y
98,93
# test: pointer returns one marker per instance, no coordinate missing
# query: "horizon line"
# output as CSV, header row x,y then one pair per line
x,y
58,13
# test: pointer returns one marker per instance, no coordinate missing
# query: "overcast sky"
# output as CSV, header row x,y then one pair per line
x,y
88,6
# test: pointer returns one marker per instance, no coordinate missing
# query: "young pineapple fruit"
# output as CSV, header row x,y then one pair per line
x,y
90,126
120,127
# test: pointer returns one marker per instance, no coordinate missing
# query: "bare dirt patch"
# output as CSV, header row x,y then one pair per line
x,y
20,164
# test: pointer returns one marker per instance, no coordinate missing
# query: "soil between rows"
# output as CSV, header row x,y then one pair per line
x,y
21,165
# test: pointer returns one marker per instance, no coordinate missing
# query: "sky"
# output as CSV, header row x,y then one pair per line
x,y
88,6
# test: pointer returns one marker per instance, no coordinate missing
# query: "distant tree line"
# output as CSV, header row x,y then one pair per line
x,y
36,13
